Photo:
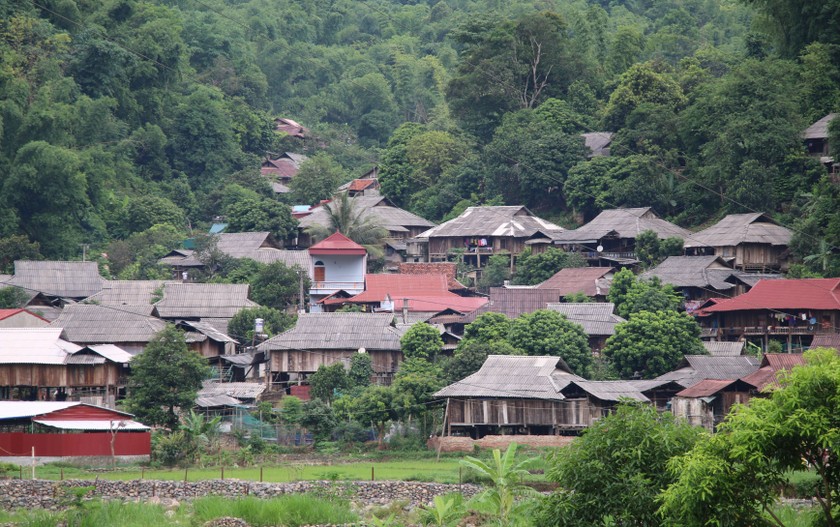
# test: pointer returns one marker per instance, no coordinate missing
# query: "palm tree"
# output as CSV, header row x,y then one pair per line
x,y
345,217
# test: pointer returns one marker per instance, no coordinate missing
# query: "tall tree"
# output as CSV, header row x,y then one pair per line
x,y
166,376
546,332
346,217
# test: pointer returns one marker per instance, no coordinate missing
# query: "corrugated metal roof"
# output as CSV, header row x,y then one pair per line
x,y
337,243
127,293
515,302
706,388
339,331
826,340
591,281
805,293
207,330
58,278
696,368
771,365
112,353
735,229
622,223
724,349
93,324
513,376
425,293
99,426
611,390
509,221
194,300
22,409
693,271
216,401
239,390
597,318
34,346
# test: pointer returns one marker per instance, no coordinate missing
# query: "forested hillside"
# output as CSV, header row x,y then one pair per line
x,y
126,124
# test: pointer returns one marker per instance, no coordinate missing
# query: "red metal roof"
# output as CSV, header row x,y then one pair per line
x,y
771,365
362,184
337,243
577,280
425,292
706,388
806,293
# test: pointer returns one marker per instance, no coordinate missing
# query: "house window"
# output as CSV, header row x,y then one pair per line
x,y
503,243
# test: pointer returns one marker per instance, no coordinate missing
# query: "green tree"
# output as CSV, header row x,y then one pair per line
x,y
200,431
546,332
166,376
652,343
421,341
17,247
346,217
241,326
317,179
495,272
532,269
261,215
319,419
504,493
374,406
327,381
278,285
291,410
395,171
617,468
650,250
414,384
731,478
632,295
470,355
12,297
488,328
361,370
641,83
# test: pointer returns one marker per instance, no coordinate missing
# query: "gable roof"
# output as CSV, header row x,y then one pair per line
x,y
337,331
587,280
735,229
285,166
803,293
623,223
819,130
826,340
598,143
58,278
6,313
205,330
194,300
609,391
24,409
384,213
34,346
710,387
693,271
695,368
514,376
427,293
515,302
93,324
771,364
514,221
724,349
337,243
420,268
597,318
127,293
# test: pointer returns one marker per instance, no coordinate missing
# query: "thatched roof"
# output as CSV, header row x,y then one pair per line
x,y
622,223
193,300
735,229
56,278
597,318
92,324
513,376
338,331
515,221
693,271
392,218
819,130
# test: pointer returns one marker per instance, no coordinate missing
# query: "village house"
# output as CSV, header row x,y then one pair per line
x,y
400,224
724,349
699,278
594,282
695,368
262,247
50,285
816,141
610,238
281,170
291,127
747,242
70,431
368,184
137,296
337,265
513,302
395,293
481,232
323,339
209,342
88,324
596,319
37,364
214,304
598,143
21,318
788,311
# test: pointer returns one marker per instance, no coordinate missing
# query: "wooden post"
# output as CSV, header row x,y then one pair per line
x,y
21,471
185,474
142,472
261,474
443,432
62,474
33,462
223,473
372,478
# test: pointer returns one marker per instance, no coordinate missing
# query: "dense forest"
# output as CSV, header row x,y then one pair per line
x,y
125,125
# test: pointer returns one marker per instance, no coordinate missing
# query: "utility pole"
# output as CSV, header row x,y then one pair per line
x,y
301,303
85,247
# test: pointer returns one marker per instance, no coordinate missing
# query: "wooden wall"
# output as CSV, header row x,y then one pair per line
x,y
60,376
308,361
566,414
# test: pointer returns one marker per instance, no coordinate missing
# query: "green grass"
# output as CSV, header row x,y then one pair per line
x,y
290,511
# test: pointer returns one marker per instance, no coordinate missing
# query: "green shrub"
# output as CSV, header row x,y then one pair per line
x,y
292,510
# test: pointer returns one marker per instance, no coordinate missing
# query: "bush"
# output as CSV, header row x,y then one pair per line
x,y
172,449
352,432
292,510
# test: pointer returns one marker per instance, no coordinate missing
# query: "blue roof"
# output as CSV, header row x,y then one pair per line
x,y
216,228
301,208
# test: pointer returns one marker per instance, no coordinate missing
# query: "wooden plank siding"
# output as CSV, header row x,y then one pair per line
x,y
308,361
61,376
569,414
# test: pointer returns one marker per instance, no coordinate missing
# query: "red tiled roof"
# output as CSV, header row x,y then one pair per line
x,y
362,184
447,268
283,168
337,243
771,364
806,293
577,280
6,313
